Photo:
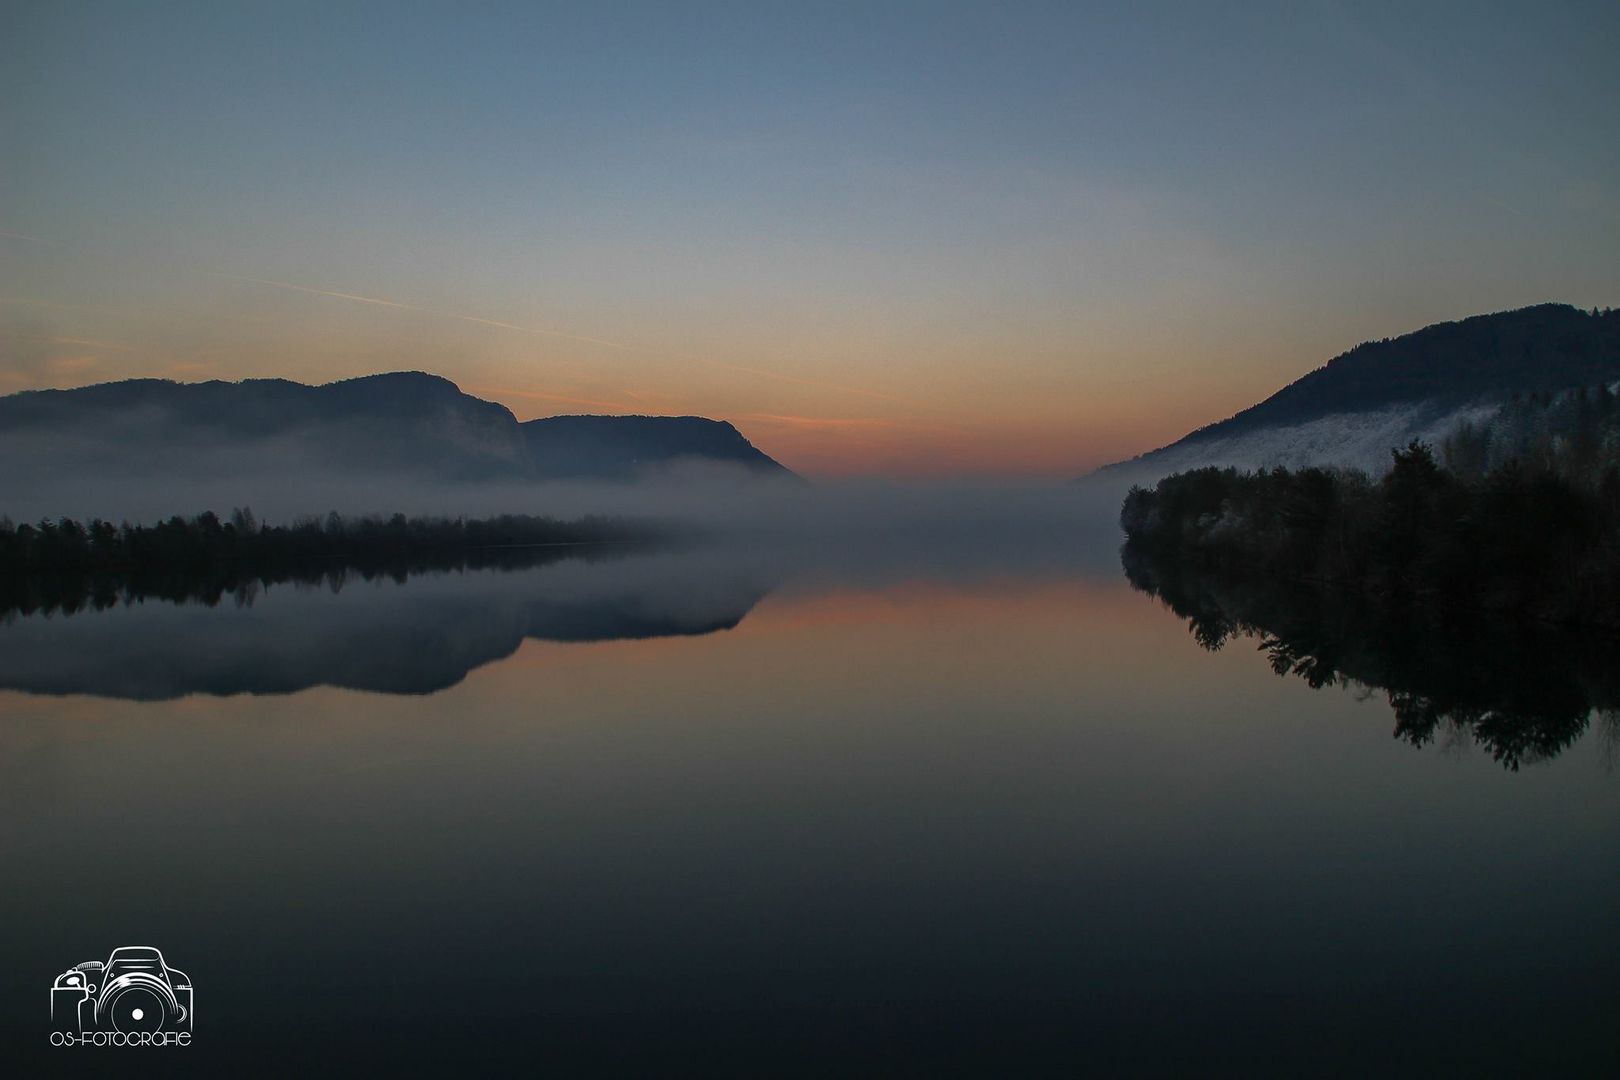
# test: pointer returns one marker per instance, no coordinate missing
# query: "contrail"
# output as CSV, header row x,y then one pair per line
x,y
789,378
548,332
307,289
439,313
436,312
820,421
31,239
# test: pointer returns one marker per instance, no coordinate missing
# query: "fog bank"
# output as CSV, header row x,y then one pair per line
x,y
949,525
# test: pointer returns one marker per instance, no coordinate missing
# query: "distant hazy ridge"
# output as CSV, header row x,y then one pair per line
x,y
406,423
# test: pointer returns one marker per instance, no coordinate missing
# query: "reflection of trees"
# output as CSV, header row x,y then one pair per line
x,y
211,583
1522,692
70,593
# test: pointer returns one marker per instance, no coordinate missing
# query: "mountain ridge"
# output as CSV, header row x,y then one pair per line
x,y
1380,394
409,421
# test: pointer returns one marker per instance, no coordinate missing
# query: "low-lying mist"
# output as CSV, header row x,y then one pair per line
x,y
859,526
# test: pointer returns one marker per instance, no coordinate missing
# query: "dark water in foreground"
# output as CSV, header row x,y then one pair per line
x,y
672,813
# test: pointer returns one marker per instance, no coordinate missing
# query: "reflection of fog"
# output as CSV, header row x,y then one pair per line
x,y
1525,693
426,631
414,638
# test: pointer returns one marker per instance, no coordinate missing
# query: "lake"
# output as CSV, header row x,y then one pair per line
x,y
698,811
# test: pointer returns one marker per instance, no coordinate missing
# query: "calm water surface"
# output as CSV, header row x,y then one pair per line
x,y
674,813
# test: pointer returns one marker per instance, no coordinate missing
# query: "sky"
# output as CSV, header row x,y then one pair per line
x,y
881,238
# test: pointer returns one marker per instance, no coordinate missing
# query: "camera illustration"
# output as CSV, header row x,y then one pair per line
x,y
133,991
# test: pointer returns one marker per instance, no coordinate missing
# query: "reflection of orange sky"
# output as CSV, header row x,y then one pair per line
x,y
930,641
944,686
1012,620
928,600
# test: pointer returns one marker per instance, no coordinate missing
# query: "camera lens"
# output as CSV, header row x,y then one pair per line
x,y
136,1008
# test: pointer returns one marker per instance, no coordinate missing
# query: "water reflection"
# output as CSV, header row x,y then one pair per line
x,y
1524,693
979,821
380,632
70,593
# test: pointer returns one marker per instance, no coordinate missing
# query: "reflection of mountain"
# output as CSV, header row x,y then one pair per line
x,y
415,638
1525,693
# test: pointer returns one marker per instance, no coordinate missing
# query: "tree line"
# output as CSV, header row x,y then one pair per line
x,y
1575,434
1534,536
67,565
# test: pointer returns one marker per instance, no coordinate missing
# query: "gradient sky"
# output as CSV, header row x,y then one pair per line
x,y
891,238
